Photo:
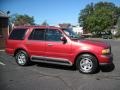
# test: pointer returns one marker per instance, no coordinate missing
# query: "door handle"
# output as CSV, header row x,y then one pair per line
x,y
50,44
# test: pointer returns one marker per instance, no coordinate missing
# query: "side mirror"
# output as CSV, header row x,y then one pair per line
x,y
63,39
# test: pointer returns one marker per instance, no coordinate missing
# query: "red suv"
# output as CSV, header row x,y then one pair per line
x,y
48,44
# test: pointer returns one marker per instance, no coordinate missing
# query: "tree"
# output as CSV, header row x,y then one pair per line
x,y
99,16
45,23
22,19
118,28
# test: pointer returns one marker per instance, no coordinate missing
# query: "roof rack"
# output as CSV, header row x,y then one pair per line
x,y
34,26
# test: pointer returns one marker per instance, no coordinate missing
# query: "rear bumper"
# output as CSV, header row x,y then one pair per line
x,y
9,51
106,60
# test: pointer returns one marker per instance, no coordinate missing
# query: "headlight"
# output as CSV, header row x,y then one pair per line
x,y
106,51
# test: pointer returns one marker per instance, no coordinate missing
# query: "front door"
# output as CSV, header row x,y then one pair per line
x,y
55,48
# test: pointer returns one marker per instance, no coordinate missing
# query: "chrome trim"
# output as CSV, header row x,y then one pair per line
x,y
52,60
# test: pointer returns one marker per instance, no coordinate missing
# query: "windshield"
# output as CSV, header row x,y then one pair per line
x,y
71,34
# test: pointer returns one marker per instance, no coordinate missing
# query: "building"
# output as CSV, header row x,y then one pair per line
x,y
114,30
4,31
77,29
65,26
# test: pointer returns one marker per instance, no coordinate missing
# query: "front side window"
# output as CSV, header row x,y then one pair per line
x,y
17,34
53,35
37,34
71,34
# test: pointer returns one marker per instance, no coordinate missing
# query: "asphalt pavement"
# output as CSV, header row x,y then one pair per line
x,y
39,76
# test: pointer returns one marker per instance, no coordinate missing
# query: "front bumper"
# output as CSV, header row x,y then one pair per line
x,y
106,60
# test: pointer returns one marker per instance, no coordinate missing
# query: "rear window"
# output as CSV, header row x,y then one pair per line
x,y
17,34
37,34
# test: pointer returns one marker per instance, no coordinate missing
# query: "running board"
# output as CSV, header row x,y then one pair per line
x,y
50,60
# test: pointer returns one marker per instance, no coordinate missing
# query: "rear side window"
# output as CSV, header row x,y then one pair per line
x,y
17,34
37,34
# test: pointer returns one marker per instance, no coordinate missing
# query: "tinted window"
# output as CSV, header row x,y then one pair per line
x,y
37,34
53,35
17,34
1,33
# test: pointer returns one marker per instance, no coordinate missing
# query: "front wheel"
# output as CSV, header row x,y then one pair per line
x,y
87,63
22,58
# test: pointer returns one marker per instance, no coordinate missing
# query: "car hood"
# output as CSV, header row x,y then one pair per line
x,y
95,42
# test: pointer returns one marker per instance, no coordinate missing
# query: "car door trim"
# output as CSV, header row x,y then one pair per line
x,y
52,60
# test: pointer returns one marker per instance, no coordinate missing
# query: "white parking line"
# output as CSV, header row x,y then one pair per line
x,y
1,63
2,50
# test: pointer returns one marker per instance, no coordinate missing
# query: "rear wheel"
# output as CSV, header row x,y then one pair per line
x,y
22,58
87,63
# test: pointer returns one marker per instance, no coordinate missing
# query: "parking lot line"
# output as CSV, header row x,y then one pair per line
x,y
1,63
2,50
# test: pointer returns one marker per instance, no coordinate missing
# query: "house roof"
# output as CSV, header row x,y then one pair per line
x,y
3,14
64,26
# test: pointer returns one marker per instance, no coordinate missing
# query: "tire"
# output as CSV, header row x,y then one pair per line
x,y
22,58
87,64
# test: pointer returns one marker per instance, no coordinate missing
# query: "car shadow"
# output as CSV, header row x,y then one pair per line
x,y
107,68
55,66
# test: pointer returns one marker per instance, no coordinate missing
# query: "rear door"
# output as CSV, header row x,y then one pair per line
x,y
36,42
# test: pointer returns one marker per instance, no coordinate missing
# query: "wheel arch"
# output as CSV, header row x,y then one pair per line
x,y
18,49
84,53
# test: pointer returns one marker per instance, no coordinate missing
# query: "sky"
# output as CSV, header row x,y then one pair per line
x,y
52,11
